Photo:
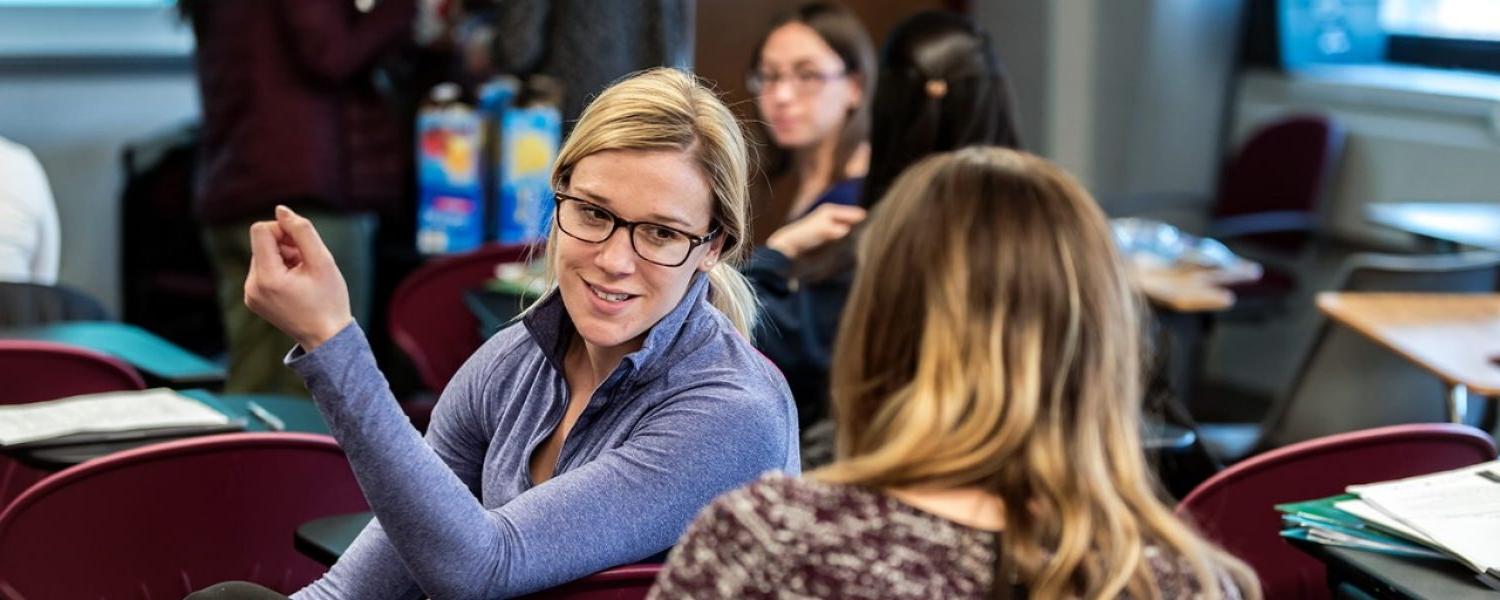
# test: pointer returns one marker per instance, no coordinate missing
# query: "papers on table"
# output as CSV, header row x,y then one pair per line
x,y
122,412
1459,511
1454,514
1371,515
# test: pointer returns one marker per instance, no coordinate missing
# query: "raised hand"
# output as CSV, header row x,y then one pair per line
x,y
293,282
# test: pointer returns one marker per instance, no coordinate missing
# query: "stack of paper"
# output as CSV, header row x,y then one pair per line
x,y
1454,514
153,410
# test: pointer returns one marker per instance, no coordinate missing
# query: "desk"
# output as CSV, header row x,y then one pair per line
x,y
494,309
1385,576
326,539
1452,336
1183,290
160,361
1464,223
298,414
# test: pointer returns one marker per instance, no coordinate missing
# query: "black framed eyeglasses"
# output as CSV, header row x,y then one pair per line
x,y
803,82
657,244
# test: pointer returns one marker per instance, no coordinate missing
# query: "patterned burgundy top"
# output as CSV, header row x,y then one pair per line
x,y
784,537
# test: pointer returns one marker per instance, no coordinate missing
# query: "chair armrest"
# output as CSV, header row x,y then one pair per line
x,y
1266,222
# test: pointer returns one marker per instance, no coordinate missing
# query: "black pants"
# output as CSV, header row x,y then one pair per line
x,y
235,590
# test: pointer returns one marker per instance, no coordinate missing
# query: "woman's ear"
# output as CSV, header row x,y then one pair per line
x,y
711,258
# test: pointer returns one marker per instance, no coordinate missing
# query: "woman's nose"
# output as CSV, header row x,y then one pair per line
x,y
615,254
782,91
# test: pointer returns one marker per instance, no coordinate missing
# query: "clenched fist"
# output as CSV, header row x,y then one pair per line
x,y
293,282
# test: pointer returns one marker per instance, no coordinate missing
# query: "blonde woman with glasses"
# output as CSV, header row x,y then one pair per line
x,y
589,434
986,391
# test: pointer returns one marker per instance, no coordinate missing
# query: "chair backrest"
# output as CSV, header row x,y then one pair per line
x,y
427,316
1285,166
1347,381
164,520
35,371
36,304
629,582
1234,507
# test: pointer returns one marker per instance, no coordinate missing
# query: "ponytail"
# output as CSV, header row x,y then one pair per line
x,y
730,292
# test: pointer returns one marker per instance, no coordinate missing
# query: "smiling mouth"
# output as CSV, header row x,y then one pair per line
x,y
606,295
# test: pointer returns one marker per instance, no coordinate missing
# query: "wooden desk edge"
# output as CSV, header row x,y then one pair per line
x,y
1328,304
1204,300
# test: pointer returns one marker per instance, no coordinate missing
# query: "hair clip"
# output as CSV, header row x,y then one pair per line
x,y
937,88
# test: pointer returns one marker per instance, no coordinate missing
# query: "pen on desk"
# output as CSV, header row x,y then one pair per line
x,y
272,421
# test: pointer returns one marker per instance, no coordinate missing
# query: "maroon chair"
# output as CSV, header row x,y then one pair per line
x,y
630,582
1279,175
164,520
1269,194
1234,507
427,316
35,371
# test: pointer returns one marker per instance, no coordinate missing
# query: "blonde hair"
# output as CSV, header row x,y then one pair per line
x,y
667,109
992,340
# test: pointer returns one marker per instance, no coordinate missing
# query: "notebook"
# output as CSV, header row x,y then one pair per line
x,y
111,416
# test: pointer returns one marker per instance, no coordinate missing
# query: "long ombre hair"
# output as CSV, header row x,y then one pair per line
x,y
667,109
992,340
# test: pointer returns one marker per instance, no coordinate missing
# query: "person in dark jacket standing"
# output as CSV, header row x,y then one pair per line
x,y
291,116
588,44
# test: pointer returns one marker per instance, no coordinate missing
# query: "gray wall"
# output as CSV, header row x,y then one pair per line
x,y
75,86
1128,94
1020,30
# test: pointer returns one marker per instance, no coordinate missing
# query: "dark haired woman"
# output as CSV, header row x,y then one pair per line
x,y
811,76
942,87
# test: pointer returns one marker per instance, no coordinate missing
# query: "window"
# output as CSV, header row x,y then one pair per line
x,y
1461,34
1448,19
1450,34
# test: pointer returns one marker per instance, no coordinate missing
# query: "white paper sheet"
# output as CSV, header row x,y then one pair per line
x,y
114,411
1458,510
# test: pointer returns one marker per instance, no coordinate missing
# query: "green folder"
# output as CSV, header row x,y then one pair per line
x,y
1322,508
1320,522
1396,549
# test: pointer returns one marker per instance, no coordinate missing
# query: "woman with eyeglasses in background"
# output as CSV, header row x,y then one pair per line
x,y
587,435
986,392
942,86
811,76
